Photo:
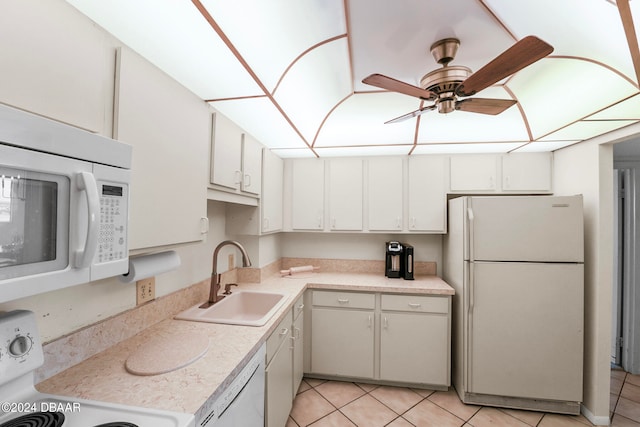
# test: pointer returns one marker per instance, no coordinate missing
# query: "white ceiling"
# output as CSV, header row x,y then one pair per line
x,y
290,72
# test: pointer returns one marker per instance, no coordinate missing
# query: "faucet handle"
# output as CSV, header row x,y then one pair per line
x,y
227,288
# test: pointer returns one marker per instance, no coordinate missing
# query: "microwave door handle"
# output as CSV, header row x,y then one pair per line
x,y
85,181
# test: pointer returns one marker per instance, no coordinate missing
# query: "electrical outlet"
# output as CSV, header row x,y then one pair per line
x,y
232,262
145,290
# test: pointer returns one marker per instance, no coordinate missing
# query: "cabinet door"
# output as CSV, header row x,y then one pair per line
x,y
169,129
345,194
526,172
342,342
298,353
307,195
251,165
427,193
272,191
473,172
414,348
226,153
385,188
278,399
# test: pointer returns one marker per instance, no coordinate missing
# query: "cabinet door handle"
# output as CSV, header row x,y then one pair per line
x,y
398,222
369,322
238,177
284,331
343,300
265,224
414,305
385,322
247,180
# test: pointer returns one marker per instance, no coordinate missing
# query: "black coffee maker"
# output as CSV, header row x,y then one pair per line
x,y
399,260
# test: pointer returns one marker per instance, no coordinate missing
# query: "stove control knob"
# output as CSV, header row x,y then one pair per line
x,y
19,346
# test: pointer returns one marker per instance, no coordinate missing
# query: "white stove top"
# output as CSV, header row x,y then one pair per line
x,y
21,353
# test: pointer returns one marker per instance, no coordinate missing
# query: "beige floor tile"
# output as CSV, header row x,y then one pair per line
x,y
314,382
400,422
368,412
291,423
613,401
399,399
428,414
450,401
334,419
631,392
557,420
339,393
304,386
633,379
628,409
529,417
616,385
367,387
309,406
618,373
620,421
492,417
423,391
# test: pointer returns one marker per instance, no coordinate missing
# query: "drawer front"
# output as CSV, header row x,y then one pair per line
x,y
415,303
344,299
298,307
280,334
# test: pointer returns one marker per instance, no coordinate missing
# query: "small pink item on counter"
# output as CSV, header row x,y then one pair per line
x,y
301,269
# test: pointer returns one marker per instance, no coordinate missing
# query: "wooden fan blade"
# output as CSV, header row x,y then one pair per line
x,y
484,105
522,54
384,82
411,114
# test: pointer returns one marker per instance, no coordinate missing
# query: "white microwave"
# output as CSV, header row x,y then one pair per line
x,y
64,205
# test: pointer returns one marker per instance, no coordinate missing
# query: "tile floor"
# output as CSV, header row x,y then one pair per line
x,y
322,403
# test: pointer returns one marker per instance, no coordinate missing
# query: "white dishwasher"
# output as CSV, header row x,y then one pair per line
x,y
242,403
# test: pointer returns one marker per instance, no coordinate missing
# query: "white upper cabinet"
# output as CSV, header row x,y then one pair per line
x,y
307,194
169,128
345,194
521,173
474,172
236,163
526,172
226,153
427,194
385,189
251,165
272,192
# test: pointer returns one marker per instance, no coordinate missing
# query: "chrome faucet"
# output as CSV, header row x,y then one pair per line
x,y
215,276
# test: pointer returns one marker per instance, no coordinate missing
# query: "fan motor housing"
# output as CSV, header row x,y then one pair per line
x,y
445,79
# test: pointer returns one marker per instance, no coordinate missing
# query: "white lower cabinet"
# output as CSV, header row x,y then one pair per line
x,y
342,342
414,340
376,336
283,371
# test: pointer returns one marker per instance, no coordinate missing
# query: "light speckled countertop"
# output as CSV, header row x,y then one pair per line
x,y
104,377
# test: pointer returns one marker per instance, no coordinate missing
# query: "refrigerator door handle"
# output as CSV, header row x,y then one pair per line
x,y
471,218
469,335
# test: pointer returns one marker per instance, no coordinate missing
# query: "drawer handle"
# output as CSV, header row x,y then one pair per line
x,y
343,300
300,307
414,305
284,331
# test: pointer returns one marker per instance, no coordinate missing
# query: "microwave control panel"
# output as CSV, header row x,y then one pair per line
x,y
112,238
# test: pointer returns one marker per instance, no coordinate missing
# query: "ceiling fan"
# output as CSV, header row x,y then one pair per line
x,y
444,85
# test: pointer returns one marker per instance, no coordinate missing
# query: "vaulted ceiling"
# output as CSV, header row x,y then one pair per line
x,y
290,72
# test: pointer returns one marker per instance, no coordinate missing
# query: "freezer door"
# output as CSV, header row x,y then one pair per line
x,y
544,229
526,330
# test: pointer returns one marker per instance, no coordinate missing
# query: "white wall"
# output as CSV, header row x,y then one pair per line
x,y
363,246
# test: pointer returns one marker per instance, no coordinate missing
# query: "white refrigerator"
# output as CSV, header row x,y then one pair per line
x,y
516,264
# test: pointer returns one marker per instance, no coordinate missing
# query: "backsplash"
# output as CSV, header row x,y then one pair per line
x,y
80,345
